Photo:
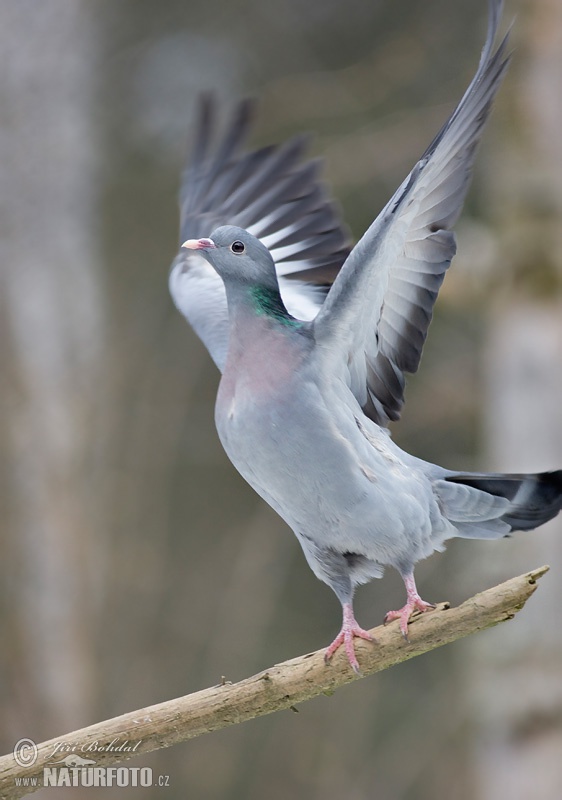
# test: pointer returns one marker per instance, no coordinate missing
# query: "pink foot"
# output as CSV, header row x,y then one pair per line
x,y
415,603
349,630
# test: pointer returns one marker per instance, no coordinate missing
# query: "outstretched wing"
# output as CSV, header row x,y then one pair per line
x,y
375,319
270,192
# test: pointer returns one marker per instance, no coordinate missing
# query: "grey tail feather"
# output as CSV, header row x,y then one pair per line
x,y
533,499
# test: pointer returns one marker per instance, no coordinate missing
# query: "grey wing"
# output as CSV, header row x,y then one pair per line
x,y
270,192
376,316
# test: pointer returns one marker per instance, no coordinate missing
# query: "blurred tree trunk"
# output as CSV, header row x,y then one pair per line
x,y
50,355
516,701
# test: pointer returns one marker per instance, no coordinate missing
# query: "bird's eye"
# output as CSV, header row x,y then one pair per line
x,y
237,247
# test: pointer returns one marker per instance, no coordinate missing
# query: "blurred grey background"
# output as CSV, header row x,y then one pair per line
x,y
136,564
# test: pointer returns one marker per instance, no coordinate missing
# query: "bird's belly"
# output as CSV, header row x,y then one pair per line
x,y
331,485
267,444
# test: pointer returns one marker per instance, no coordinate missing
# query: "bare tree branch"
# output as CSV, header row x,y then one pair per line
x,y
274,689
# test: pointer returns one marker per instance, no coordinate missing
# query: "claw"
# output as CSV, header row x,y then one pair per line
x,y
349,630
414,603
406,612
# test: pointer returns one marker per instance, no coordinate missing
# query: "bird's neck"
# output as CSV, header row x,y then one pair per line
x,y
266,302
261,302
262,333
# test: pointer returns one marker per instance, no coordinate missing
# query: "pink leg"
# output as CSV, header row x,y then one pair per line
x,y
414,603
349,629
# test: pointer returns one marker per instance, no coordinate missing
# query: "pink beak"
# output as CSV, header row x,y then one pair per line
x,y
199,244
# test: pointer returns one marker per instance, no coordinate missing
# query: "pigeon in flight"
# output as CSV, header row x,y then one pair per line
x,y
311,379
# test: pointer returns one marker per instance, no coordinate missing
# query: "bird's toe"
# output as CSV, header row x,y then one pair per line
x,y
346,637
404,614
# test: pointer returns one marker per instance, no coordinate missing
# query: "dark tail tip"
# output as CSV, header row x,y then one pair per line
x,y
538,500
535,498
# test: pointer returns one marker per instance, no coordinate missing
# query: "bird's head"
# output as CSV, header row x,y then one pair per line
x,y
237,256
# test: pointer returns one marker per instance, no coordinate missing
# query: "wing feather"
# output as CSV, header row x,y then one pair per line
x,y
375,319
